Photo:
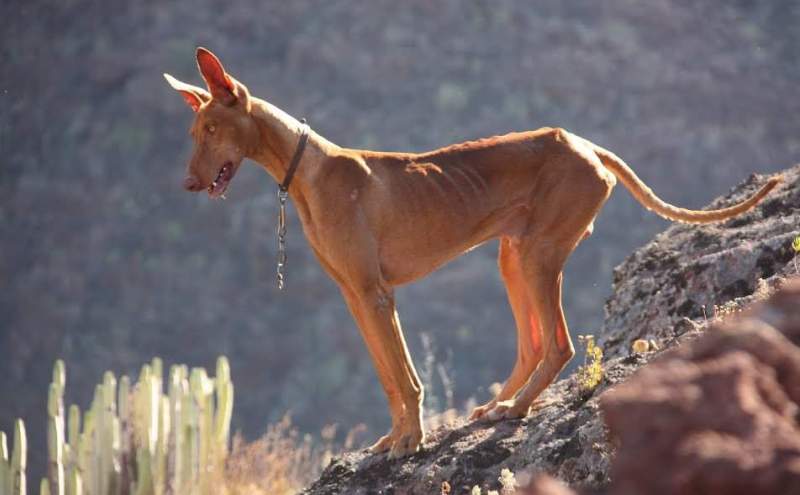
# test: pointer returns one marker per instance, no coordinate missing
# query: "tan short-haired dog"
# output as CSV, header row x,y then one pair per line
x,y
376,220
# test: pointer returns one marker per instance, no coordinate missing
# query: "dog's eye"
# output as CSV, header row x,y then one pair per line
x,y
210,128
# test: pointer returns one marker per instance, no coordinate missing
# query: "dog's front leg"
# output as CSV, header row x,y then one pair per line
x,y
374,311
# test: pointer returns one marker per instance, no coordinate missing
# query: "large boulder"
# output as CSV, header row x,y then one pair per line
x,y
718,415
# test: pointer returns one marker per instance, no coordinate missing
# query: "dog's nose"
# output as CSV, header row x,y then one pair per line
x,y
191,183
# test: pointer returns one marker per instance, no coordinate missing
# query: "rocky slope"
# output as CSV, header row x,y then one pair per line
x,y
565,438
689,274
716,415
660,291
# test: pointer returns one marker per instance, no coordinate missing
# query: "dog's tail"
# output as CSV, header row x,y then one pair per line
x,y
649,200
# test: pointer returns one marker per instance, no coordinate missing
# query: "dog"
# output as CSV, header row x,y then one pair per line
x,y
376,220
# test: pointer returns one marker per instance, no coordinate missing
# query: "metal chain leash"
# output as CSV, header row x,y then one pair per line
x,y
282,196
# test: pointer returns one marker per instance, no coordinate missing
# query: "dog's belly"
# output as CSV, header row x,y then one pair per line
x,y
417,249
397,272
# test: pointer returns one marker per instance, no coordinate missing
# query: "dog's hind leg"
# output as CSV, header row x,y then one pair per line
x,y
545,286
544,250
529,336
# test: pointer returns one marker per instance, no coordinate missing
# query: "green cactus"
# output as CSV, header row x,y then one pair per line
x,y
145,423
55,430
107,434
74,483
85,449
5,468
71,450
160,460
55,449
52,400
202,390
126,458
157,367
174,462
191,442
144,482
222,421
170,443
19,458
97,453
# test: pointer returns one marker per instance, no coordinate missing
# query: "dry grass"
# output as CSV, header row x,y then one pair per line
x,y
726,310
282,461
734,307
444,418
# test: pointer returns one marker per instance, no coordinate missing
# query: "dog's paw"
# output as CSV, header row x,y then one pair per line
x,y
399,442
406,445
383,444
507,409
480,411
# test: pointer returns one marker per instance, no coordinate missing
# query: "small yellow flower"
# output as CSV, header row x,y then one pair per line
x,y
590,374
640,346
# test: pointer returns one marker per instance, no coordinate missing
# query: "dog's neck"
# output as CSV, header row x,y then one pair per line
x,y
278,136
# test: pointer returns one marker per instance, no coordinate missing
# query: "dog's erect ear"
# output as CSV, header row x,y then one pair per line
x,y
220,85
193,95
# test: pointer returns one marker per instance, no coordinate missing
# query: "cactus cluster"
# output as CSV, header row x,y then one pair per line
x,y
12,470
135,439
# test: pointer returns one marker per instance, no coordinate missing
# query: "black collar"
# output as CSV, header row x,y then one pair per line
x,y
298,154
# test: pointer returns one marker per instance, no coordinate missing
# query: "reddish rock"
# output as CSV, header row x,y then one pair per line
x,y
545,485
718,415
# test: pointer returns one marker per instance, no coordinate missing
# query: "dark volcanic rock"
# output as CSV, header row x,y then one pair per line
x,y
564,438
718,415
466,455
687,270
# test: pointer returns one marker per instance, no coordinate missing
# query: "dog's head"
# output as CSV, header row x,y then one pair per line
x,y
223,130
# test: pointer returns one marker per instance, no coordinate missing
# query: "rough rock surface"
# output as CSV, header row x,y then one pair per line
x,y
565,438
545,485
658,292
674,282
718,415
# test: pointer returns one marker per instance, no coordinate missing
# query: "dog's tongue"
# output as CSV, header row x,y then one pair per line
x,y
217,188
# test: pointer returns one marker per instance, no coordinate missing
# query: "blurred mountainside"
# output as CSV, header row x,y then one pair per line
x,y
107,262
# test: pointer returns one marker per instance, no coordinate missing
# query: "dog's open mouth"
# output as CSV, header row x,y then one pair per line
x,y
220,184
